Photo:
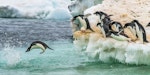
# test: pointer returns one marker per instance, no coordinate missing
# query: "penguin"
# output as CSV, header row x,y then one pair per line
x,y
140,31
88,25
116,26
102,29
102,15
38,44
132,28
77,16
105,21
76,25
105,30
82,22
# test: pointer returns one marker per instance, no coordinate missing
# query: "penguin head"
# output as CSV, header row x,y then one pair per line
x,y
148,24
75,17
136,22
28,50
126,25
102,14
116,26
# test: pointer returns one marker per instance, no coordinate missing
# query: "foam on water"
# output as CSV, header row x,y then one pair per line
x,y
34,9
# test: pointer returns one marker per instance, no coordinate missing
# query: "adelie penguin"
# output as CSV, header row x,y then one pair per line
x,y
132,28
38,45
115,26
102,15
104,29
140,31
137,29
82,22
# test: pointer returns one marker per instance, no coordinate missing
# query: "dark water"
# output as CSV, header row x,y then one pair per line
x,y
17,34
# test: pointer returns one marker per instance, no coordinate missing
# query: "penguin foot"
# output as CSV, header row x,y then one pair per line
x,y
41,52
129,40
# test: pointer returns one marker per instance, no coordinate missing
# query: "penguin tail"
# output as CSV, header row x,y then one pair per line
x,y
50,48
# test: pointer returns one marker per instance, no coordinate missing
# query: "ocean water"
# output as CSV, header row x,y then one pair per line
x,y
17,34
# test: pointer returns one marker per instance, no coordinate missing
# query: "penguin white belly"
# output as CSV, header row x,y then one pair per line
x,y
133,31
120,37
103,31
140,36
37,46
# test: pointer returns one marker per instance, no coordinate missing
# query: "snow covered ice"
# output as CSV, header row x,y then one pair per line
x,y
109,49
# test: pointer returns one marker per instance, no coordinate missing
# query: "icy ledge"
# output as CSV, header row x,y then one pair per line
x,y
111,50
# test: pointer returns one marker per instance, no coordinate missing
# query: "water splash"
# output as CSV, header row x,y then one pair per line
x,y
10,56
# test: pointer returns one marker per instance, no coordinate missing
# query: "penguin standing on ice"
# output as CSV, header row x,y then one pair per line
x,y
104,21
116,29
140,31
132,28
102,15
75,23
116,26
38,44
102,29
82,22
137,29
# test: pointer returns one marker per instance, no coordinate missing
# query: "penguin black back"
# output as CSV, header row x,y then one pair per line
x,y
38,42
88,24
118,25
77,16
141,28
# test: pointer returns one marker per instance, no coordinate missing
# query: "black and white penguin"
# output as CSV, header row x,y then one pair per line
x,y
105,21
137,29
82,22
75,23
38,45
116,26
140,31
102,29
132,28
102,15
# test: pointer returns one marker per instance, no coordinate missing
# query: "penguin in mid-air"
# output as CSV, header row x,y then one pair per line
x,y
38,45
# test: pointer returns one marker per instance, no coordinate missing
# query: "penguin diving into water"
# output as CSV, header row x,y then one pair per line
x,y
38,45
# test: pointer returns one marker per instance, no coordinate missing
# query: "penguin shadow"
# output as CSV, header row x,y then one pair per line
x,y
38,45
